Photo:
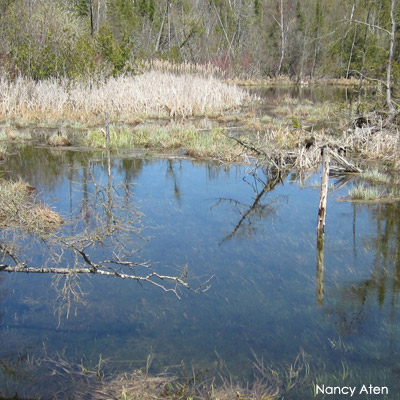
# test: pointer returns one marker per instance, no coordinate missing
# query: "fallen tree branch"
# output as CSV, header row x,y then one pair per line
x,y
149,278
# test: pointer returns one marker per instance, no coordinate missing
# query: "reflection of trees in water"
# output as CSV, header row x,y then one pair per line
x,y
315,94
353,301
255,211
13,365
171,174
43,166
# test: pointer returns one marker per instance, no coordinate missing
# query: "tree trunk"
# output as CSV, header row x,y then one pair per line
x,y
283,40
324,190
363,59
392,110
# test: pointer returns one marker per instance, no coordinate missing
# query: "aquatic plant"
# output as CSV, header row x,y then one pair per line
x,y
375,176
190,141
363,192
366,193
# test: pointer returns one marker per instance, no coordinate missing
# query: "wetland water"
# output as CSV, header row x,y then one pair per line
x,y
263,300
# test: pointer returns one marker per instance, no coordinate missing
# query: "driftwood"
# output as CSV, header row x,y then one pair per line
x,y
343,165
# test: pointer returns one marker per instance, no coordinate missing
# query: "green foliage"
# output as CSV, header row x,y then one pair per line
x,y
113,53
146,8
83,58
83,7
300,18
257,8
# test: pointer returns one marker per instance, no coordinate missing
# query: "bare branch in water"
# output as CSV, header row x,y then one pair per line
x,y
149,278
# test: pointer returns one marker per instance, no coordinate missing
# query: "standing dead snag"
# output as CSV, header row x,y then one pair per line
x,y
324,189
321,224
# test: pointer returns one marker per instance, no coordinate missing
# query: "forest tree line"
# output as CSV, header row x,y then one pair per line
x,y
303,39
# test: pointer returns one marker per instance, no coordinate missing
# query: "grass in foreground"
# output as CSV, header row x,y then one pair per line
x,y
176,382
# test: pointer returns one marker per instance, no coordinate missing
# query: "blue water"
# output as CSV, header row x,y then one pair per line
x,y
263,297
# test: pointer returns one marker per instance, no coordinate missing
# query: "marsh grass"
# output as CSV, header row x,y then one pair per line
x,y
372,143
58,140
185,138
365,193
14,135
125,98
307,111
374,176
361,192
165,66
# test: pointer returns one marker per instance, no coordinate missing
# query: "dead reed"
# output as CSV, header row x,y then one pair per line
x,y
185,67
153,93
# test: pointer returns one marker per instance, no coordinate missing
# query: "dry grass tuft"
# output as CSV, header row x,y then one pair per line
x,y
58,140
19,210
46,217
372,143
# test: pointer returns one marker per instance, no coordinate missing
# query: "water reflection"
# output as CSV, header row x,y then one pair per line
x,y
381,286
257,210
320,267
316,94
263,299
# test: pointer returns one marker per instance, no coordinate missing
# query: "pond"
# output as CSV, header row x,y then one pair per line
x,y
267,300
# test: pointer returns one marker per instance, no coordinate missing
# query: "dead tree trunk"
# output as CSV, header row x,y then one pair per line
x,y
324,190
392,35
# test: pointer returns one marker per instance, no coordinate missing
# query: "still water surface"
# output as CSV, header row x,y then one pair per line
x,y
263,300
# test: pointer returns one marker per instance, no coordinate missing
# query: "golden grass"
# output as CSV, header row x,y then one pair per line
x,y
124,98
